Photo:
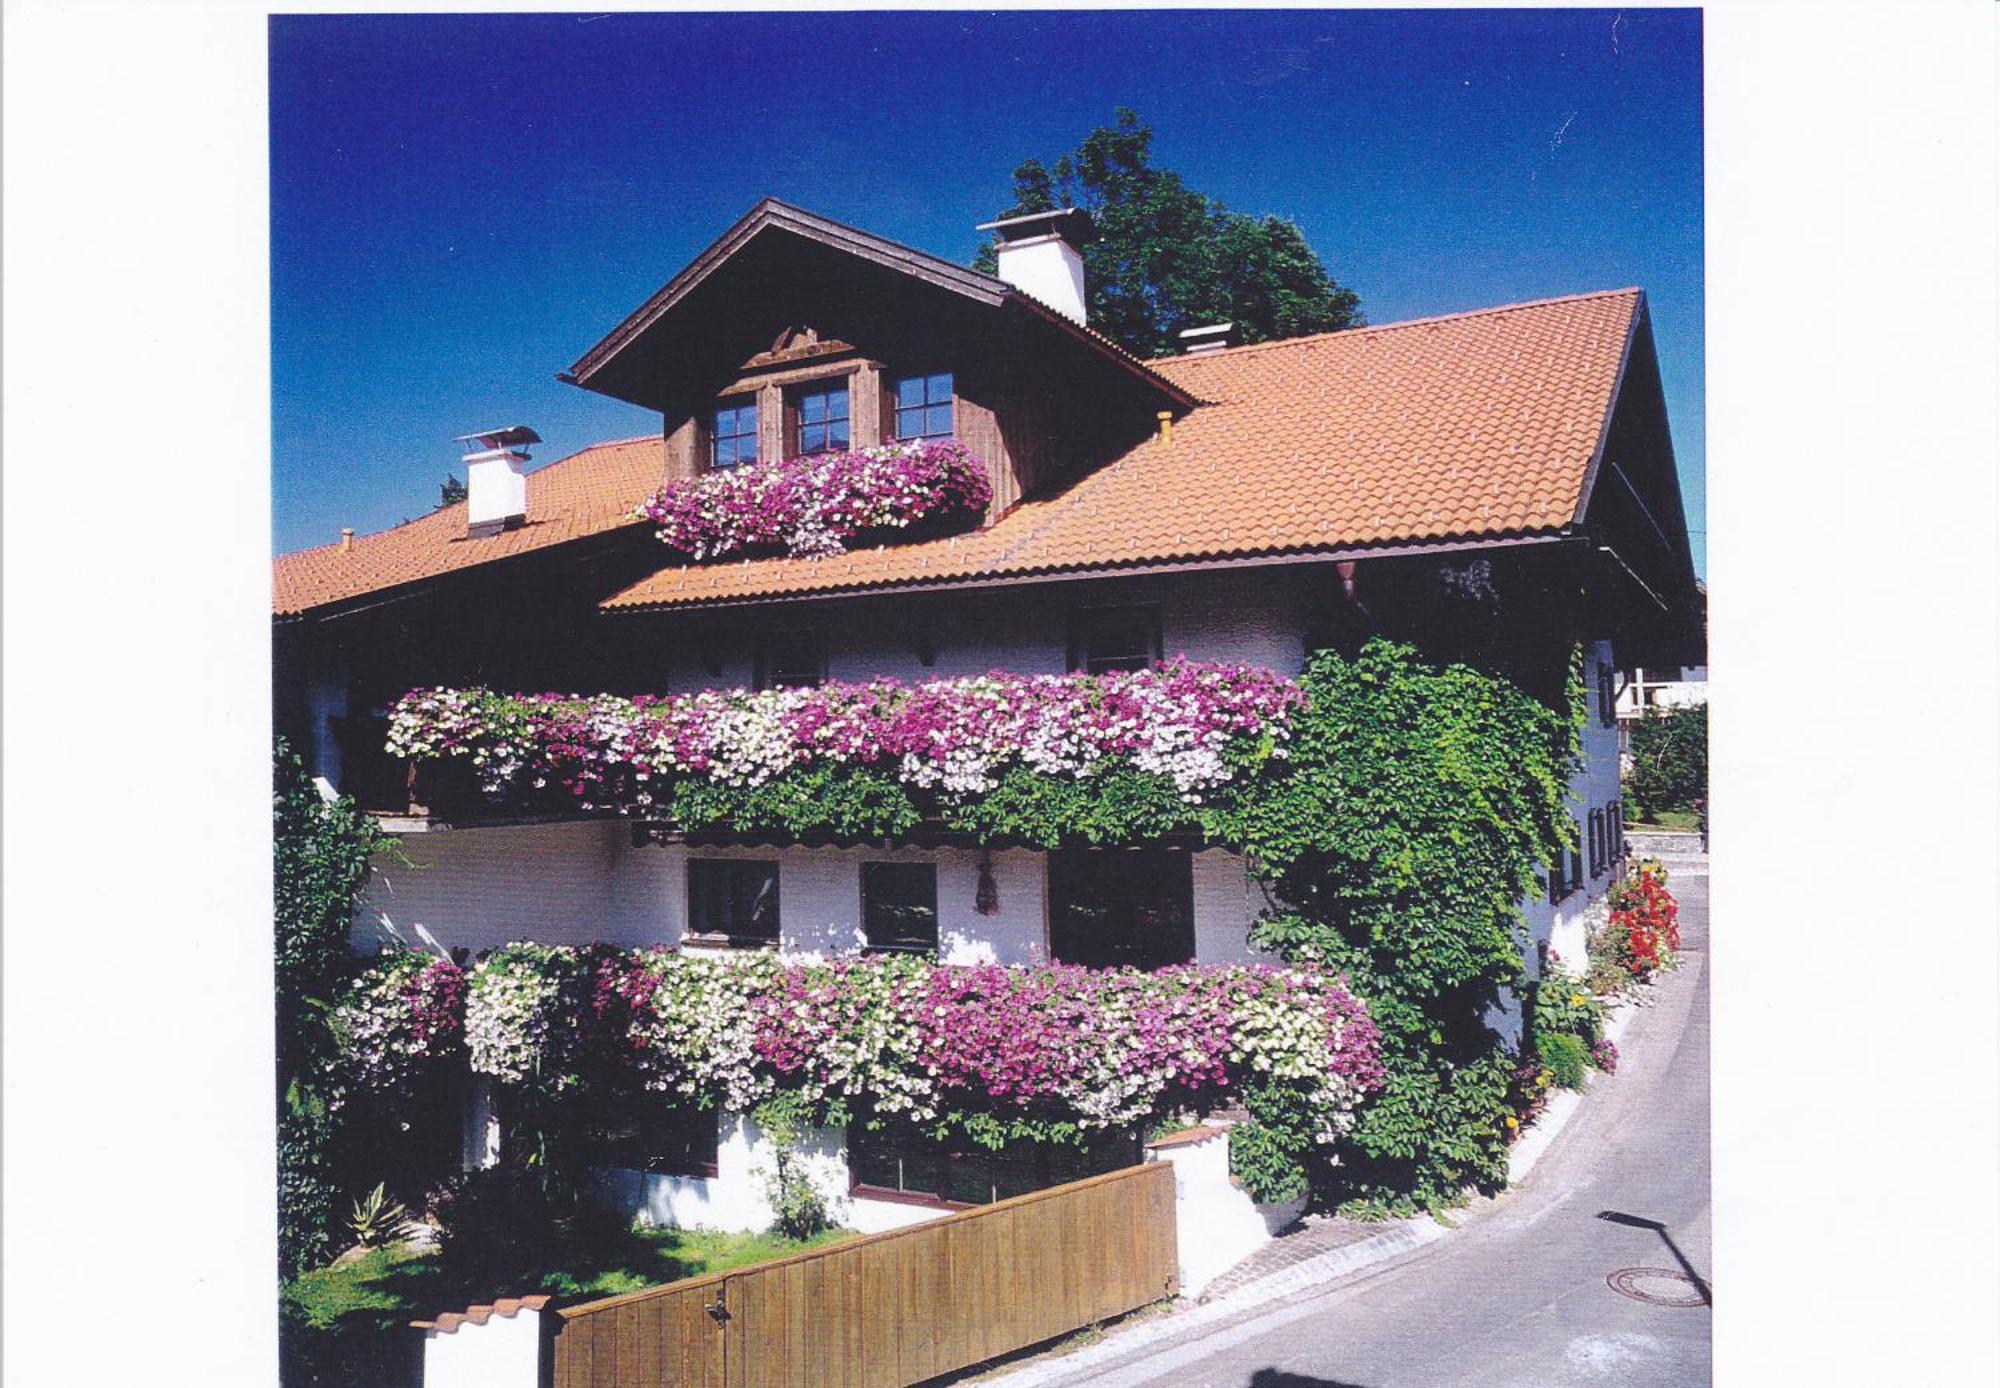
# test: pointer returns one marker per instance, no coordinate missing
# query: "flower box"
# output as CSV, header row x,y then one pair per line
x,y
823,504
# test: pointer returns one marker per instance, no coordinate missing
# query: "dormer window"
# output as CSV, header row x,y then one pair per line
x,y
923,407
823,418
732,437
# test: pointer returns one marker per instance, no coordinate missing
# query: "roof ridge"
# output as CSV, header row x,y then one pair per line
x,y
458,507
1368,328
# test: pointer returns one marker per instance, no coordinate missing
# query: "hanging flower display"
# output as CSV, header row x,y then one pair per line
x,y
1055,1046
956,737
817,505
398,1021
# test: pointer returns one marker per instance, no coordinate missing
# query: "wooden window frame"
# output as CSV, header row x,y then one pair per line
x,y
937,928
795,420
734,937
1147,613
896,406
763,659
712,437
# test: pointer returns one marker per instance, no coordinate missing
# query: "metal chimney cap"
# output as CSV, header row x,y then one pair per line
x,y
1073,224
1210,337
514,436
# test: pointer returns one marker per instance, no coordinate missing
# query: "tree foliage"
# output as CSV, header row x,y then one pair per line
x,y
1670,759
1170,258
321,852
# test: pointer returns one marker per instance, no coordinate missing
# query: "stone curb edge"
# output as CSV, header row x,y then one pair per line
x,y
1394,1240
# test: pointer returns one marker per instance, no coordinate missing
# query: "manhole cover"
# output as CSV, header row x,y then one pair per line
x,y
1658,1286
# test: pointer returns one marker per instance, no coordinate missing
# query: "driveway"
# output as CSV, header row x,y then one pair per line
x,y
1520,1297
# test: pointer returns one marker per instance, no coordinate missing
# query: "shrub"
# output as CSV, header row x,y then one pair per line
x,y
1566,1057
1565,1005
1643,929
321,852
801,1212
1604,1055
1270,1164
1670,759
376,1219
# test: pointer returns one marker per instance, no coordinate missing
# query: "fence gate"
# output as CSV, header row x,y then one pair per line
x,y
891,1309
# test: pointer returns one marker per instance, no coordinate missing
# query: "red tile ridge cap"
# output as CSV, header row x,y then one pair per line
x,y
447,1322
1187,1137
1369,328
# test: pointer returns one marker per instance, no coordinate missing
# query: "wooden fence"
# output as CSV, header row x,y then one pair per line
x,y
891,1309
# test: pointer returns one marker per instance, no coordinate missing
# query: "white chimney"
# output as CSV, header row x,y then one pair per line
x,y
496,480
1041,255
1211,338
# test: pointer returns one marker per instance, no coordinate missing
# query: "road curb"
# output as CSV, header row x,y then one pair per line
x,y
1394,1241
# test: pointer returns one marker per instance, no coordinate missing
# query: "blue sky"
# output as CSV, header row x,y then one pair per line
x,y
461,205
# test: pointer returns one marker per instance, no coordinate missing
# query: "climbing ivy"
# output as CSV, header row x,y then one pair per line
x,y
1401,835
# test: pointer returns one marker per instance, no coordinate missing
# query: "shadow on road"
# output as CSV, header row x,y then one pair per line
x,y
1278,1378
1636,1222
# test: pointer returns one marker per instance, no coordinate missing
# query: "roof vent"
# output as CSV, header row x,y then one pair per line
x,y
1041,255
496,481
1212,338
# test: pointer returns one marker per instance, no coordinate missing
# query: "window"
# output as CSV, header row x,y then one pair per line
x,y
1597,843
822,414
899,907
1121,906
731,899
1558,882
1607,697
1614,825
898,1160
732,435
789,660
1576,861
653,1134
923,407
1115,638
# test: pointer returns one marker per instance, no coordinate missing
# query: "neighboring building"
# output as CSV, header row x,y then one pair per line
x,y
1645,688
1495,486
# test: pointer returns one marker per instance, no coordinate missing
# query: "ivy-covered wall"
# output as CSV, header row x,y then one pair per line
x,y
1400,821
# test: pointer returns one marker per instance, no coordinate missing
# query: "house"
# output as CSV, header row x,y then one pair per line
x,y
1495,485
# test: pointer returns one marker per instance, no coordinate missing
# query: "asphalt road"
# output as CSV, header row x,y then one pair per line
x,y
1518,1297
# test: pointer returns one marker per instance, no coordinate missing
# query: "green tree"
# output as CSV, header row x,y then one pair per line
x,y
1670,759
1169,258
320,861
450,491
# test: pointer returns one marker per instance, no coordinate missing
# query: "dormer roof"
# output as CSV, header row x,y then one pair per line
x,y
786,254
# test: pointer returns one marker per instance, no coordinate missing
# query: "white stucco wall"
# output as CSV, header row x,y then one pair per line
x,y
735,1199
1563,928
479,888
1249,618
1216,1223
575,883
503,1353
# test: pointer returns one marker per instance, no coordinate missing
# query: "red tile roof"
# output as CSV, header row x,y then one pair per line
x,y
587,493
1478,425
1473,425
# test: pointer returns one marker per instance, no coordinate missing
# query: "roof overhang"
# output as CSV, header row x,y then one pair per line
x,y
638,360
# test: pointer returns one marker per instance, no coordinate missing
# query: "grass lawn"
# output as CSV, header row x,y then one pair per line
x,y
1671,819
350,1325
